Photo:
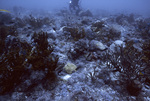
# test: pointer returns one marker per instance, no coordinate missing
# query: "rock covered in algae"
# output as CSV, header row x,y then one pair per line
x,y
70,67
97,45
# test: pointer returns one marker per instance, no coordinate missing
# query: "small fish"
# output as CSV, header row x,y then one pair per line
x,y
141,73
3,10
136,41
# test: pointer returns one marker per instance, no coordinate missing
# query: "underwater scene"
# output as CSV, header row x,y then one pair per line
x,y
74,50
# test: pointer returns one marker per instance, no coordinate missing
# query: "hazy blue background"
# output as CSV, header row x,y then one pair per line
x,y
142,6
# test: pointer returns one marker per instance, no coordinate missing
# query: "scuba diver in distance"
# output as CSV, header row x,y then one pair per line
x,y
74,6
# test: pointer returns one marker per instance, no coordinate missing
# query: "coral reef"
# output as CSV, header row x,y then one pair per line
x,y
106,33
12,66
40,56
4,32
20,55
97,26
126,61
39,52
76,33
146,59
80,48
